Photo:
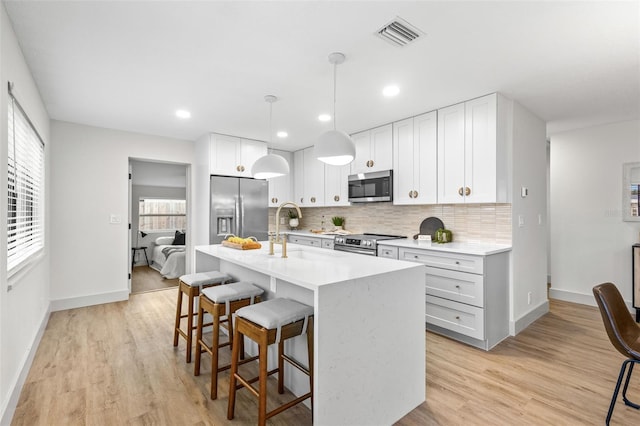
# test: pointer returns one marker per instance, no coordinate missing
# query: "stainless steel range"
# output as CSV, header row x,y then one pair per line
x,y
361,243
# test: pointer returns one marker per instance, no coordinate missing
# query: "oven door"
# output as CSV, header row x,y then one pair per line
x,y
358,250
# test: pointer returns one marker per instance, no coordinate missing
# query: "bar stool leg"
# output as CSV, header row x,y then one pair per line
x,y
178,315
281,367
311,360
232,378
263,346
196,368
192,294
214,354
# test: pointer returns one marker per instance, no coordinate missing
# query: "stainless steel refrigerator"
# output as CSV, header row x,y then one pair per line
x,y
239,206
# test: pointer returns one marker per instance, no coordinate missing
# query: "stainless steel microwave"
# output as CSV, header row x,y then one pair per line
x,y
371,187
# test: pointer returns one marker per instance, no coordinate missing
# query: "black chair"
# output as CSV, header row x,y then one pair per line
x,y
624,334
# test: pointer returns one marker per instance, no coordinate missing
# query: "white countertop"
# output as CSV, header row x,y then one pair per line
x,y
309,267
481,249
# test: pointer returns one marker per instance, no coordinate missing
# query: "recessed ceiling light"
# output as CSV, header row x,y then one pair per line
x,y
282,134
182,113
324,117
390,91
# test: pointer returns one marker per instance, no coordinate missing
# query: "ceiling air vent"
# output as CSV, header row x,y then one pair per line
x,y
399,32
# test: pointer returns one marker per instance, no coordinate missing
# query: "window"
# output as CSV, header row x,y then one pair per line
x,y
156,214
25,207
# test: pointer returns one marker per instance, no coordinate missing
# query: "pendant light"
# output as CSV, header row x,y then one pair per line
x,y
335,147
270,165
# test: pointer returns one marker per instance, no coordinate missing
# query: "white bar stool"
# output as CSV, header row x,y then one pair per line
x,y
221,301
273,321
191,285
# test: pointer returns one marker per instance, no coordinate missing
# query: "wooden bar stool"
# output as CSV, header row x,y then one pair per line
x,y
273,321
191,285
221,301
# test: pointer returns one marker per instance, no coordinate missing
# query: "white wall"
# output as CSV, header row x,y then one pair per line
x,y
590,243
529,255
24,310
89,182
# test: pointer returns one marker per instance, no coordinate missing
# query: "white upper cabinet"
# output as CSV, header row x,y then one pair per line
x,y
308,179
336,185
233,156
280,187
374,150
415,160
470,157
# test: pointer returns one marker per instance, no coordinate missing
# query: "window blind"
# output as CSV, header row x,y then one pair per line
x,y
25,210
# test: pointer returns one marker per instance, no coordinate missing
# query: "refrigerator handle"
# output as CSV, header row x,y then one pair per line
x,y
241,222
238,229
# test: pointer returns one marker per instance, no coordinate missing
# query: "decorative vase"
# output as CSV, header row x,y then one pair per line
x,y
293,223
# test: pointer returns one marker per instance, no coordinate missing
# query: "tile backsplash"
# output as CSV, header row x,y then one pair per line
x,y
488,223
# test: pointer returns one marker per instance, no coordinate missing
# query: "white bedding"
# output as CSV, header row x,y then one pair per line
x,y
169,267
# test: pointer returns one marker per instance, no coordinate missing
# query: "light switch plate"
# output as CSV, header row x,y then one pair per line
x,y
115,218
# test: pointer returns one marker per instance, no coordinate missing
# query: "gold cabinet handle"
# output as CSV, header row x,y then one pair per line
x,y
467,191
301,200
460,191
458,317
370,163
313,199
336,198
238,169
415,194
410,194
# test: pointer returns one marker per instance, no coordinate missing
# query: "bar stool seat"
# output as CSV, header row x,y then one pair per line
x,y
266,323
221,301
191,284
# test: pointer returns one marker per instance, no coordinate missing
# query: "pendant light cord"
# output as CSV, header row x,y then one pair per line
x,y
335,67
271,123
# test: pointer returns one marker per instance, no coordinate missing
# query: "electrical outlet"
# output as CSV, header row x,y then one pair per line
x,y
520,220
529,298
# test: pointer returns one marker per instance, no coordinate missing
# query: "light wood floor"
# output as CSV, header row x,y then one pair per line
x,y
115,364
145,278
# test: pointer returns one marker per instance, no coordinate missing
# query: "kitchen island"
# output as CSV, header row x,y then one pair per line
x,y
369,326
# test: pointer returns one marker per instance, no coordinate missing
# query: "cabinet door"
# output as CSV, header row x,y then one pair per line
x,y
225,155
404,162
480,149
280,187
336,186
381,148
298,178
451,154
425,161
362,142
313,179
250,151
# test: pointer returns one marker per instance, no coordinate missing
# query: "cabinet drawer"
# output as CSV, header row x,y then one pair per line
x,y
313,242
454,316
390,252
455,262
459,286
328,244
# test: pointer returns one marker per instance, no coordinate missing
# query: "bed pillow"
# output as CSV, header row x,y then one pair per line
x,y
164,241
178,240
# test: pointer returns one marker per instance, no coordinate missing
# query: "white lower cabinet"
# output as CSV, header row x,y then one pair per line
x,y
326,243
466,296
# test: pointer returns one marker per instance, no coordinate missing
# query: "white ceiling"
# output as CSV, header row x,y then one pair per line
x,y
130,65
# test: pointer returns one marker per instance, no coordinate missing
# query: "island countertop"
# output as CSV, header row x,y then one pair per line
x,y
307,267
369,322
480,249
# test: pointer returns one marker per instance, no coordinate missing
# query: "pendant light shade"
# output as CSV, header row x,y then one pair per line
x,y
270,165
335,147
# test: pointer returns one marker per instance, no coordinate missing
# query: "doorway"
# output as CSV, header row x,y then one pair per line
x,y
158,218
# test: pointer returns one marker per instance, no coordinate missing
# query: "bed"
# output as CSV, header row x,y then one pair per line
x,y
168,258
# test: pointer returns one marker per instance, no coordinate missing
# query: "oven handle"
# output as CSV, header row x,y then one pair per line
x,y
355,250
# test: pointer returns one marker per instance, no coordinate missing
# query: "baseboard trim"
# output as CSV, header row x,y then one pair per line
x,y
527,319
581,298
12,402
94,299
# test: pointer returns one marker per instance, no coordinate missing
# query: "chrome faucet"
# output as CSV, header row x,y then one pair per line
x,y
275,239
